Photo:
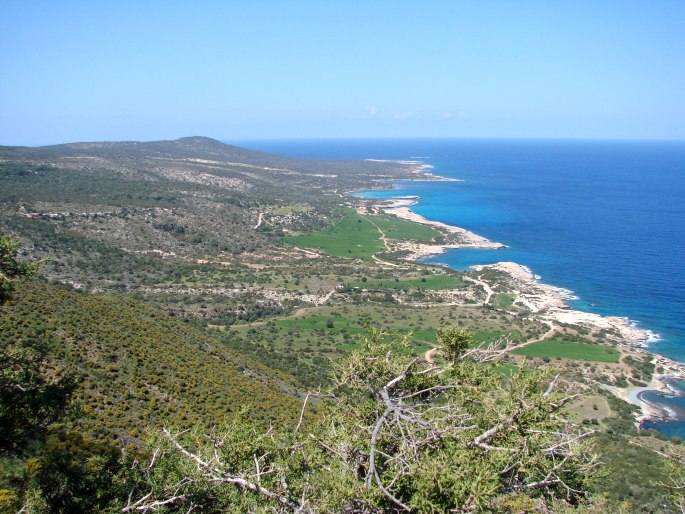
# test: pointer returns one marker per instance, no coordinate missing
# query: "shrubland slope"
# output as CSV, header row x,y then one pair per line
x,y
136,366
87,204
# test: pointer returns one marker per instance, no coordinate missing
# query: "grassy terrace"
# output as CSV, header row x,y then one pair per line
x,y
432,282
359,236
504,300
335,325
395,228
570,350
307,344
354,236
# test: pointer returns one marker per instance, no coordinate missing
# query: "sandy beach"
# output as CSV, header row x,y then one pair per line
x,y
632,396
635,395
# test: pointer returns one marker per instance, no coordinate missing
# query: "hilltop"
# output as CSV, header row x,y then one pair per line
x,y
193,197
203,150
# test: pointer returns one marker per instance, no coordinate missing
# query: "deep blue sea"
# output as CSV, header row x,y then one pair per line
x,y
605,219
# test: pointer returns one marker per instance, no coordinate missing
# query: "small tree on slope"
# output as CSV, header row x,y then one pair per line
x,y
11,268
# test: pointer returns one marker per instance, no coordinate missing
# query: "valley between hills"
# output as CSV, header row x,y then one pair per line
x,y
185,281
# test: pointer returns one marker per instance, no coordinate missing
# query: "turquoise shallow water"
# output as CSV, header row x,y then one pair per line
x,y
605,219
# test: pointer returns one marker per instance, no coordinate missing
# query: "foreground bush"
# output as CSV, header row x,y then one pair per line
x,y
397,433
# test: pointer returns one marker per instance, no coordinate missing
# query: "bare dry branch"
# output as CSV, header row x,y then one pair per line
x,y
218,475
304,404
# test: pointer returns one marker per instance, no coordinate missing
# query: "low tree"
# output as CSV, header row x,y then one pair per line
x,y
11,268
57,475
676,486
396,433
30,397
455,341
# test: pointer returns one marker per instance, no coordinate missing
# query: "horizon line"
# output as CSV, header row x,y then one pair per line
x,y
369,138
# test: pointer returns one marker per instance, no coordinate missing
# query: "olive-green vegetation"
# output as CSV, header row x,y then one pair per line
x,y
289,209
675,471
308,344
11,268
105,212
432,282
354,236
454,341
570,350
29,400
139,365
504,300
44,467
635,473
83,376
638,467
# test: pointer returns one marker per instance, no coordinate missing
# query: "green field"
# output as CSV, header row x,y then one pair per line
x,y
491,337
395,228
506,370
357,236
336,325
307,346
570,350
353,236
331,324
504,300
425,335
433,282
343,333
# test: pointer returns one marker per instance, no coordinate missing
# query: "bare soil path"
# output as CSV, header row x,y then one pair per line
x,y
550,332
486,287
387,247
259,220
430,353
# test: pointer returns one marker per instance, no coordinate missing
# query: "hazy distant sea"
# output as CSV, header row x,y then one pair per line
x,y
605,219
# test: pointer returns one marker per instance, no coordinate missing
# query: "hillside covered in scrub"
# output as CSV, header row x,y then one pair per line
x,y
216,329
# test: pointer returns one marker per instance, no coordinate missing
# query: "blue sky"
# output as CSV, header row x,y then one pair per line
x,y
144,70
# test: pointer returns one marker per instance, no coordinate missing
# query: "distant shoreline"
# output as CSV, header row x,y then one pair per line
x,y
547,301
420,169
400,206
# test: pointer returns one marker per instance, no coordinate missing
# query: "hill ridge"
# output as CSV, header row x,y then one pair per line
x,y
205,148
